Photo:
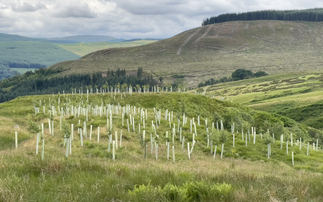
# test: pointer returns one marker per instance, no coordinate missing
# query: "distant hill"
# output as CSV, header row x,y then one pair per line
x,y
84,39
32,54
20,54
215,51
11,37
23,52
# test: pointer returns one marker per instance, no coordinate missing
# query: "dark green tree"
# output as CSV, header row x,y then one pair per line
x,y
139,72
241,74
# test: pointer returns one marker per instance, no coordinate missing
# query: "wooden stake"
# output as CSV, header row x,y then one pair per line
x,y
188,150
113,150
16,140
215,147
98,134
67,146
120,138
90,132
222,150
183,140
81,137
43,149
72,131
49,127
70,146
37,141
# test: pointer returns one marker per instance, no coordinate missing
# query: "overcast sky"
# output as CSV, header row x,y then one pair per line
x,y
123,18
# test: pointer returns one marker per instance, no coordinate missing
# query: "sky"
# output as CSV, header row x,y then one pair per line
x,y
124,18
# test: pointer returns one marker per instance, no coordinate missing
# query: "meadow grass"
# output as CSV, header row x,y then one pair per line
x,y
90,174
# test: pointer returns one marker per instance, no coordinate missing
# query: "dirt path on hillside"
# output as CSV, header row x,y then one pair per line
x,y
204,34
186,41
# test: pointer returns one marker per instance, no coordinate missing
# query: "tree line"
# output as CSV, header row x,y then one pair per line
x,y
314,15
238,74
42,81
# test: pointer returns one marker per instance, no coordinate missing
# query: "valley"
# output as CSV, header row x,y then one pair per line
x,y
136,120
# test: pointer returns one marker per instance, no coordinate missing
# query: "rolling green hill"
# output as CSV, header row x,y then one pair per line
x,y
217,50
141,169
12,37
22,54
295,95
29,53
32,54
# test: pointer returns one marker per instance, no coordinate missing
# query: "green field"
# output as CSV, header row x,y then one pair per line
x,y
245,173
82,49
298,96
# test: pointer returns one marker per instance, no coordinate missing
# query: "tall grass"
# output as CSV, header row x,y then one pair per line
x,y
90,174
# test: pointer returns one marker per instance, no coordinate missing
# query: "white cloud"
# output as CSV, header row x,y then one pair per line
x,y
123,18
75,11
27,7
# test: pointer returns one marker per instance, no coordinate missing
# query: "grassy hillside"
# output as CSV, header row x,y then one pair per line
x,y
32,54
82,49
244,173
217,50
298,96
23,54
18,52
12,37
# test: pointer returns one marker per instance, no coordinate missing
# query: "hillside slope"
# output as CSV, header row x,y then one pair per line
x,y
31,53
217,50
298,96
152,158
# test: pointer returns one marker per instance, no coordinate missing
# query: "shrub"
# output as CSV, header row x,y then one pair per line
x,y
197,191
222,191
145,193
174,193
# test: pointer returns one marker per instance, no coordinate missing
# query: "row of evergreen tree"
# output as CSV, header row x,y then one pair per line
x,y
36,83
314,15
